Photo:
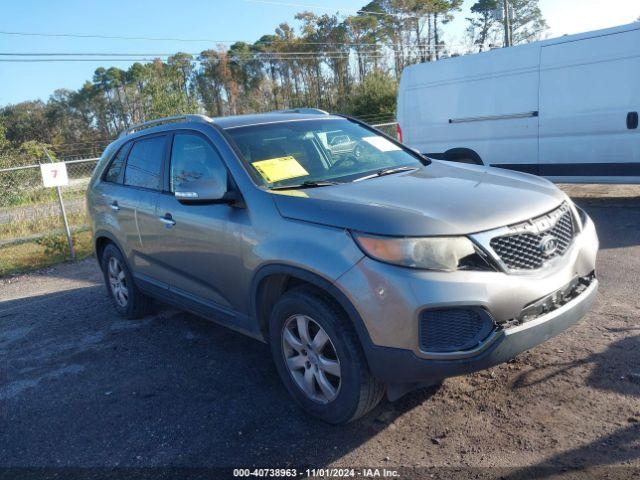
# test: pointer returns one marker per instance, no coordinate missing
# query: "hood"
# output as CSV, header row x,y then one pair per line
x,y
441,198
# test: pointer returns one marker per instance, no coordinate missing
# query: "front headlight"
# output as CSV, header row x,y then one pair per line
x,y
431,253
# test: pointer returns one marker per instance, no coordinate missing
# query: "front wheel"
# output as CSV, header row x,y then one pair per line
x,y
319,357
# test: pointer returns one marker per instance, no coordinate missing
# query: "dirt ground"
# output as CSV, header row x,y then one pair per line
x,y
81,388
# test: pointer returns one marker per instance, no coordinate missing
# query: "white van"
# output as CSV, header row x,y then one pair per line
x,y
566,108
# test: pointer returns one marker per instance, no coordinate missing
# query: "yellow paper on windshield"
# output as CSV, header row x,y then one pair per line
x,y
281,168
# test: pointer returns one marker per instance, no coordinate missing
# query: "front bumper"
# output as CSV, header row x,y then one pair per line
x,y
396,365
389,301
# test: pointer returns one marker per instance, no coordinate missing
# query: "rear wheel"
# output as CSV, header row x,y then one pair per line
x,y
319,358
126,297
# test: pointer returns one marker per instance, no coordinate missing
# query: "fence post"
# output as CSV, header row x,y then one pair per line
x,y
64,213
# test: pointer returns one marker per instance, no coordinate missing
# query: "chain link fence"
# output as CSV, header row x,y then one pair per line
x,y
32,232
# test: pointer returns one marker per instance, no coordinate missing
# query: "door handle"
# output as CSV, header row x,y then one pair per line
x,y
632,120
168,220
114,206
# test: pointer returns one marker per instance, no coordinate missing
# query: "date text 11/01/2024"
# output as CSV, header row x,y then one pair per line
x,y
317,472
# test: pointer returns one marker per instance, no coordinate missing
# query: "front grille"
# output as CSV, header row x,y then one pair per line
x,y
453,329
524,249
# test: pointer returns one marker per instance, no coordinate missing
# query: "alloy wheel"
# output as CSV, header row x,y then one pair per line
x,y
118,282
311,358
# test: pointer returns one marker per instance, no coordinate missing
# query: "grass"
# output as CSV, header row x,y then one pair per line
x,y
33,237
28,256
22,188
34,219
24,197
46,219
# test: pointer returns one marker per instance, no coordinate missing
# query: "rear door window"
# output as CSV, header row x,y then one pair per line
x,y
117,164
144,164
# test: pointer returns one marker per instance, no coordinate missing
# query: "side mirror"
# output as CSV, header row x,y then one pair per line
x,y
204,191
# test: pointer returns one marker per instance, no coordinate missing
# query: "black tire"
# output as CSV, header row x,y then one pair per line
x,y
137,305
358,390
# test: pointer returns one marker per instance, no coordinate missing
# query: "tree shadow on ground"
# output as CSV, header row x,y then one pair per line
x,y
84,388
617,370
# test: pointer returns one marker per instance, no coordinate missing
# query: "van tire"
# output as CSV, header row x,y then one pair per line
x,y
463,155
137,304
358,391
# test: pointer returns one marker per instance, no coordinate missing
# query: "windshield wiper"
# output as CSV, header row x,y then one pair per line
x,y
386,171
307,184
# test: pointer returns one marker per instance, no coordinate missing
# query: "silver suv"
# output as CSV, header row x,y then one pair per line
x,y
368,269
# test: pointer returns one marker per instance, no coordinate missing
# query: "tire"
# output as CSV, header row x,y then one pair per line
x,y
129,302
356,390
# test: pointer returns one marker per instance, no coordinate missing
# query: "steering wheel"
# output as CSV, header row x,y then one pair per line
x,y
343,161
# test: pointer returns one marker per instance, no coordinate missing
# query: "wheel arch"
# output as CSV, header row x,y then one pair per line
x,y
101,239
271,281
457,154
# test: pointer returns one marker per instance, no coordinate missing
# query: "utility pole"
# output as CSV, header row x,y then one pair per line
x,y
507,24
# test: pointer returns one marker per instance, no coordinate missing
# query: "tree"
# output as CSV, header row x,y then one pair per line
x,y
334,39
4,143
442,13
26,121
312,63
483,23
361,29
347,64
528,24
376,95
210,82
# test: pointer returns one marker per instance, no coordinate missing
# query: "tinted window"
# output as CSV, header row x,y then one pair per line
x,y
192,158
113,173
144,165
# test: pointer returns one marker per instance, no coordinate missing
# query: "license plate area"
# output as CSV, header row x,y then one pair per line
x,y
553,300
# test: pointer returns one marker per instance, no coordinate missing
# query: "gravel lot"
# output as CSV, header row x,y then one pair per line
x,y
80,387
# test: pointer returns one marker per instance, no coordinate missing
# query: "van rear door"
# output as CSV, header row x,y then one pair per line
x,y
589,89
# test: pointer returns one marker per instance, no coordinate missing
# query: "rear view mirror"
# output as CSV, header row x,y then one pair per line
x,y
203,191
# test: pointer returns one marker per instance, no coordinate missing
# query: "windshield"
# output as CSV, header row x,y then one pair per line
x,y
290,154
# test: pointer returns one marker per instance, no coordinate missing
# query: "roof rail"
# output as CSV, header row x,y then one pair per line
x,y
160,121
303,110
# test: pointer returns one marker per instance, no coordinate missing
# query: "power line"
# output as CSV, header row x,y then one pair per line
x,y
87,54
240,55
37,57
149,59
128,60
53,60
195,40
114,37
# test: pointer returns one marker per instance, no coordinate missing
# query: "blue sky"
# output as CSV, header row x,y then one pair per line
x,y
212,19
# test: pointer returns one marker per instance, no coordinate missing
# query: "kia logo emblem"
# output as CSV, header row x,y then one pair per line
x,y
548,245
